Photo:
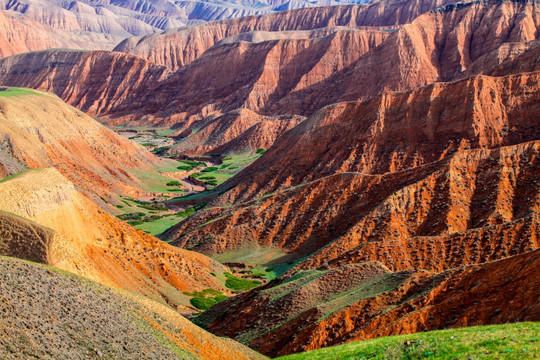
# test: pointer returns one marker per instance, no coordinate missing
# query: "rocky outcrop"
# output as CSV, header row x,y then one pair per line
x,y
71,318
310,310
340,182
37,129
236,132
178,47
83,239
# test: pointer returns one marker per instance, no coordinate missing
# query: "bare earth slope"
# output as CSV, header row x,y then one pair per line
x,y
290,72
459,187
37,129
316,309
51,314
94,244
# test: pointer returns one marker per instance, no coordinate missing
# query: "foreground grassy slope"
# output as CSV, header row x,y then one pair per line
x,y
48,313
509,341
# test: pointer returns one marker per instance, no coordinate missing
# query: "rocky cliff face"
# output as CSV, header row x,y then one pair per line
x,y
37,129
340,182
87,241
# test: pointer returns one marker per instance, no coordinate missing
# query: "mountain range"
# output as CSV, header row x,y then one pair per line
x,y
314,176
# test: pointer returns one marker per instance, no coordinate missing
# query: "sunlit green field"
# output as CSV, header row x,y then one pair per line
x,y
509,341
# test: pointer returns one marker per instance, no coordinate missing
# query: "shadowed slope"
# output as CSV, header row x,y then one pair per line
x,y
305,312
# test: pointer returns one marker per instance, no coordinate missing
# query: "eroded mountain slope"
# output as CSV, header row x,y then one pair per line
x,y
460,176
37,129
315,309
87,241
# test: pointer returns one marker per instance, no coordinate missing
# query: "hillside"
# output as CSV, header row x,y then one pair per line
x,y
338,186
83,239
320,308
72,318
292,58
317,177
37,130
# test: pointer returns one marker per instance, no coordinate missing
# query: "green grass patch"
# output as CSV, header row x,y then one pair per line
x,y
205,299
165,132
14,91
508,341
157,226
15,175
187,165
152,179
239,284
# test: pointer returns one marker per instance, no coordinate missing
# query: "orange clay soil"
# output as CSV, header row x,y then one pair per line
x,y
87,241
40,130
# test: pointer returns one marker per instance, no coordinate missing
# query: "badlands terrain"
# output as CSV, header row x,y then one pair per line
x,y
241,180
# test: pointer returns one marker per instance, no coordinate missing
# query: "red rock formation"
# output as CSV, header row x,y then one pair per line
x,y
236,132
341,182
37,129
281,317
93,81
19,34
178,47
290,73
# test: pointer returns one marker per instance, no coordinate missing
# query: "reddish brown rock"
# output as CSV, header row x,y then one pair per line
x,y
73,76
341,182
236,132
302,313
178,47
